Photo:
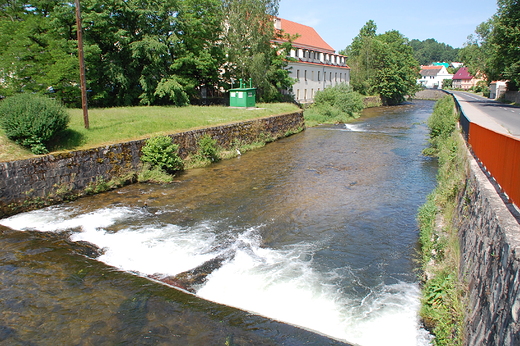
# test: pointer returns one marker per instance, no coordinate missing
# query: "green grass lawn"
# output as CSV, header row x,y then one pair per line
x,y
112,125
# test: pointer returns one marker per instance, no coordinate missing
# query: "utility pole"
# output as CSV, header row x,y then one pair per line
x,y
83,83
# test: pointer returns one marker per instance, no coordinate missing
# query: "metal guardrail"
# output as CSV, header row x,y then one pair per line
x,y
498,154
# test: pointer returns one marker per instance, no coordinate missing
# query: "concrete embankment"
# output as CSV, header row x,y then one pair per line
x,y
36,182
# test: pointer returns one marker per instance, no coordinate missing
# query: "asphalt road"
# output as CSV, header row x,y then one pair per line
x,y
494,115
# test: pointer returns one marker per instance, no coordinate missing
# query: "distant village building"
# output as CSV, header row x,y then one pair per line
x,y
462,79
317,66
497,89
432,76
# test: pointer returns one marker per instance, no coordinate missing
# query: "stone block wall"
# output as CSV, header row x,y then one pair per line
x,y
512,96
489,235
24,181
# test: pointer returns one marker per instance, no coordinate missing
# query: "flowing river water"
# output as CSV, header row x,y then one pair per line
x,y
309,240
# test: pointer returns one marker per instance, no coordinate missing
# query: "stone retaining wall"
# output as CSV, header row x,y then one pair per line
x,y
489,236
429,94
512,96
37,181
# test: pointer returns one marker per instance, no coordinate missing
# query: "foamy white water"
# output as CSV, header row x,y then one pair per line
x,y
277,283
354,127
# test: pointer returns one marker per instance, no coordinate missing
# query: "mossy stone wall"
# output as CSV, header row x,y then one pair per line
x,y
34,182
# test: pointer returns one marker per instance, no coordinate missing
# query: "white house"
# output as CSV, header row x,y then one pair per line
x,y
497,89
432,76
317,66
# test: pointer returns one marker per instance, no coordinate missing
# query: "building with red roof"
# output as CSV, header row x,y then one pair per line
x,y
462,79
317,65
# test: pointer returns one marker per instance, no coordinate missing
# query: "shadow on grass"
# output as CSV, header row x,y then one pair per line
x,y
66,140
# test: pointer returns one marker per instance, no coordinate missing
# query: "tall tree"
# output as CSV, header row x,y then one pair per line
x,y
38,53
506,39
494,49
247,38
382,64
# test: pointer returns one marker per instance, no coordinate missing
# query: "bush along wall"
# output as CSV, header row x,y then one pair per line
x,y
442,309
37,182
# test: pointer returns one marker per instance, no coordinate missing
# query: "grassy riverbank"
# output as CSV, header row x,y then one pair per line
x,y
443,295
113,125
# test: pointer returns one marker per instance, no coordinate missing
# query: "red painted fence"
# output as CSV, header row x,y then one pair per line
x,y
500,155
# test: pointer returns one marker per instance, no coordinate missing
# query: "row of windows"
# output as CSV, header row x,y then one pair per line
x,y
332,76
305,94
323,57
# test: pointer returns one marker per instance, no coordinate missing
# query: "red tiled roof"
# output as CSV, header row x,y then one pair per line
x,y
308,37
462,73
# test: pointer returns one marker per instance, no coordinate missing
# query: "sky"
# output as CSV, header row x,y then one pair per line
x,y
339,21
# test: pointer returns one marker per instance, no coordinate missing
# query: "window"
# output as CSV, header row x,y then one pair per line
x,y
305,75
318,76
305,94
312,76
297,94
298,74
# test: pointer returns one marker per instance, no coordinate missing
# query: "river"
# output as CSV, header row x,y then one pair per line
x,y
309,240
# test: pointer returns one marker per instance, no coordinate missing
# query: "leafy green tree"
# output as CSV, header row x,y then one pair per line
x,y
38,53
382,64
506,40
198,49
494,49
247,39
478,52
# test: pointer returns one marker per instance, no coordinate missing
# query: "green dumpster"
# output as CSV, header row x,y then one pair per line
x,y
242,96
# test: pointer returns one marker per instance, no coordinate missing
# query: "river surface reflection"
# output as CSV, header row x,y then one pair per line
x,y
316,230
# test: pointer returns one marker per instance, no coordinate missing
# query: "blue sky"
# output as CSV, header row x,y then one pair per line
x,y
339,21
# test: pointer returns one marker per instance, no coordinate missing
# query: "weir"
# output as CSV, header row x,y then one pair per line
x,y
316,230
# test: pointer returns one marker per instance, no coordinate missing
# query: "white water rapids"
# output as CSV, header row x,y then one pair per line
x,y
277,283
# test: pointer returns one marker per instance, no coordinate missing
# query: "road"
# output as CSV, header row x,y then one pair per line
x,y
491,114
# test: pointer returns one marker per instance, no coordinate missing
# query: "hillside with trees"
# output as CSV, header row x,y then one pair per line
x,y
429,51
140,52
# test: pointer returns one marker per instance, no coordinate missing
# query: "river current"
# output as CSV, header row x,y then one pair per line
x,y
309,240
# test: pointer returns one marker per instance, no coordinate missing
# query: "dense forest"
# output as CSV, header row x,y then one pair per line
x,y
429,51
145,52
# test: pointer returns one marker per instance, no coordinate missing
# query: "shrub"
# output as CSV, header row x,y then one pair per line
x,y
161,152
341,98
208,148
32,120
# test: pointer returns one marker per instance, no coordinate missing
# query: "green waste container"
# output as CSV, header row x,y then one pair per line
x,y
243,96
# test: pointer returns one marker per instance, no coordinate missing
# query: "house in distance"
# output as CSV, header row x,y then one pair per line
x,y
317,65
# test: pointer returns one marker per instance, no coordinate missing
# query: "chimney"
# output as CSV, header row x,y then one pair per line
x,y
277,23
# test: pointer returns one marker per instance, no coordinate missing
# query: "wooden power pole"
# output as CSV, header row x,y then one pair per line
x,y
83,83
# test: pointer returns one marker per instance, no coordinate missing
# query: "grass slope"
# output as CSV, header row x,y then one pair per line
x,y
113,125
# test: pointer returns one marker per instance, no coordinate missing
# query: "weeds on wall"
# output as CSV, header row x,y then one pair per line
x,y
442,308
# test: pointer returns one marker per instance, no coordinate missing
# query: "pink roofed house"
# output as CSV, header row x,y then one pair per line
x,y
464,80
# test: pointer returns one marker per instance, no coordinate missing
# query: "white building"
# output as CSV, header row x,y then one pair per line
x,y
432,76
317,66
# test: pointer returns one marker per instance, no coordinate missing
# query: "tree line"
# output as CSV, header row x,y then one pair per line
x,y
141,52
